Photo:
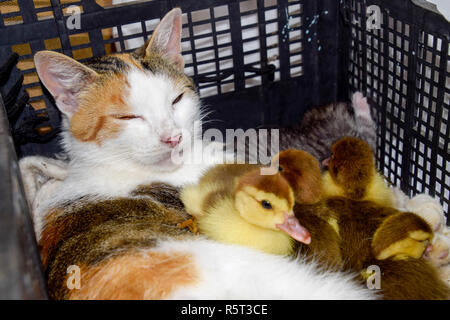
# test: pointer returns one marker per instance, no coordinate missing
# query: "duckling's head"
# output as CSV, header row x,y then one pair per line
x,y
352,166
302,171
268,201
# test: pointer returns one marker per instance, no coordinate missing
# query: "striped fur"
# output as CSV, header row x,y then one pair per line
x,y
90,233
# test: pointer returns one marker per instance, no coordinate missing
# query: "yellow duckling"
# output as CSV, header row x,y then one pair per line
x,y
352,174
234,203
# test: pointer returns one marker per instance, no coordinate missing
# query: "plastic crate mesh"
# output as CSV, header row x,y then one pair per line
x,y
404,67
207,38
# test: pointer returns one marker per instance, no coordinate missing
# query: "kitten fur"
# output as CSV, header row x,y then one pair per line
x,y
319,129
110,219
322,126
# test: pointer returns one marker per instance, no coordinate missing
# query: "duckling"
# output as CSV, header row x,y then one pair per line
x,y
402,235
411,279
234,203
429,209
394,241
396,234
353,235
352,174
438,252
350,235
303,173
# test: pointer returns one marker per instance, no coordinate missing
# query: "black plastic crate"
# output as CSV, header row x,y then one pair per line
x,y
262,63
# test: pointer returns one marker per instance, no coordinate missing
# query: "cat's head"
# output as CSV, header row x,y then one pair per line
x,y
134,107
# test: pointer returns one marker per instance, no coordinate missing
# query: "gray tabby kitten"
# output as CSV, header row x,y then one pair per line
x,y
318,130
322,126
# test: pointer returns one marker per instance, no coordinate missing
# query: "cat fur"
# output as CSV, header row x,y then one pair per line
x,y
109,218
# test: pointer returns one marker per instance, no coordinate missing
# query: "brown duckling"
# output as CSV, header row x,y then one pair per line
x,y
353,235
352,173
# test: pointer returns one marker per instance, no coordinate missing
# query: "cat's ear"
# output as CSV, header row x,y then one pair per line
x,y
64,78
166,39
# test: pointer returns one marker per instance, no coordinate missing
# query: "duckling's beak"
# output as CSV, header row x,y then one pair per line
x,y
292,227
326,162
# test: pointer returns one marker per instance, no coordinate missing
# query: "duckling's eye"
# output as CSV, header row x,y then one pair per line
x,y
266,205
335,171
280,169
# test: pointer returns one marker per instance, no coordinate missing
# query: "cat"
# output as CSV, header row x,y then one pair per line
x,y
318,130
115,217
322,126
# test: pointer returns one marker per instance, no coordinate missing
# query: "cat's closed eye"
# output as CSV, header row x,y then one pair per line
x,y
177,99
126,116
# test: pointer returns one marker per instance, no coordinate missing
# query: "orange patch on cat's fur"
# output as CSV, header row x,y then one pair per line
x,y
136,276
51,235
93,121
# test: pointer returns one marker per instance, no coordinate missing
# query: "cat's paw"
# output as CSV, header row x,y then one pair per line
x,y
360,106
429,209
36,171
444,272
42,178
401,236
439,254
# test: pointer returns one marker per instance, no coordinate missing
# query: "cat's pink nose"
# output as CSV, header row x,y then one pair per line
x,y
172,141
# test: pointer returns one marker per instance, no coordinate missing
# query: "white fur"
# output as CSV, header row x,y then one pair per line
x,y
42,178
361,107
429,209
237,272
432,212
400,199
36,171
423,205
440,253
444,271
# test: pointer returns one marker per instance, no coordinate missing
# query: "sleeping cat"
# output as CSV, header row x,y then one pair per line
x,y
115,216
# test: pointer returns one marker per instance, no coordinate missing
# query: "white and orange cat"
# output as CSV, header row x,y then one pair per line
x,y
115,212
